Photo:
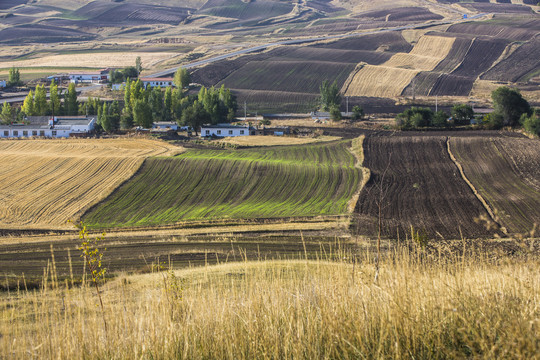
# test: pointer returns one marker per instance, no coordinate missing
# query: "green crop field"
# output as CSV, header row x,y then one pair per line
x,y
285,181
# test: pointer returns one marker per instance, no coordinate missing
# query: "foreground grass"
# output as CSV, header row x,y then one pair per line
x,y
421,307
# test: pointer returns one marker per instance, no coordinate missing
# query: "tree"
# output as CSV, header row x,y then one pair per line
x,y
114,116
167,104
462,114
7,114
138,65
493,121
357,113
182,78
142,114
55,99
28,104
414,117
195,115
440,119
14,78
329,95
70,103
130,72
155,100
40,101
510,104
531,123
335,113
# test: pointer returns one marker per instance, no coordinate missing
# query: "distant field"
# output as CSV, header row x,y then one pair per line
x,y
47,182
506,174
305,180
274,140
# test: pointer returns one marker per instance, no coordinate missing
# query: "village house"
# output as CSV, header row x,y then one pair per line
x,y
48,126
224,130
157,82
165,125
3,83
99,76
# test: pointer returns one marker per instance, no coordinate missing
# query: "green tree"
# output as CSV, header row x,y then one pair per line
x,y
440,119
462,114
40,101
335,113
7,114
71,103
195,115
168,104
130,72
155,100
114,116
357,113
28,105
531,123
414,117
229,102
14,78
127,96
510,105
142,114
138,65
182,78
55,99
329,95
493,121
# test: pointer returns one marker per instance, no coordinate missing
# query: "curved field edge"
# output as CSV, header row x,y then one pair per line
x,y
259,183
47,182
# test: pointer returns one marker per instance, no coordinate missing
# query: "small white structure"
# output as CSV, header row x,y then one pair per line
x,y
224,130
157,82
3,83
54,127
165,125
90,76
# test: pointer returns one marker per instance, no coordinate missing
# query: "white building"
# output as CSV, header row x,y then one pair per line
x,y
57,127
224,130
90,76
165,125
3,83
157,82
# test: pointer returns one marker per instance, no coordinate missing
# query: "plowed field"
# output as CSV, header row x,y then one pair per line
x,y
525,60
47,182
277,182
506,172
417,184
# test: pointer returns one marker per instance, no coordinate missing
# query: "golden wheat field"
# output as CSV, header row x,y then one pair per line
x,y
390,78
260,140
47,182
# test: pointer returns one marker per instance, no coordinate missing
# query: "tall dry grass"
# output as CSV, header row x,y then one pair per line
x,y
422,307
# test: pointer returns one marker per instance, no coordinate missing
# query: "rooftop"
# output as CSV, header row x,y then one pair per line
x,y
156,79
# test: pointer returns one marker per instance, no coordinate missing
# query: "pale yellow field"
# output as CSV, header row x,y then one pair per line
x,y
482,90
47,182
274,140
92,60
390,78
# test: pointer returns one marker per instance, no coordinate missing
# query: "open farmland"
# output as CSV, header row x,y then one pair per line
x,y
506,174
274,102
408,14
500,28
519,65
41,33
47,182
279,182
391,78
416,184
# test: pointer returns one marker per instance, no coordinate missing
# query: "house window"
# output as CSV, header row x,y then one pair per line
x,y
54,133
6,133
219,132
15,133
207,132
25,133
41,133
241,132
34,133
230,132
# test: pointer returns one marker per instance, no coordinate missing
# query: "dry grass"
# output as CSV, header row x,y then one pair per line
x,y
482,90
389,79
274,140
421,307
46,182
92,60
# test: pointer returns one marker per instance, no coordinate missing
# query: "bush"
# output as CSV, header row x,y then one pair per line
x,y
493,121
358,113
531,124
335,113
462,114
440,119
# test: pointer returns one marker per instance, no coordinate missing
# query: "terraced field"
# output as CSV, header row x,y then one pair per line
x,y
277,182
506,173
47,182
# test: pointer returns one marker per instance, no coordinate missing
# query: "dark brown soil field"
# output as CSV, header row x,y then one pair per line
x,y
6,4
334,55
409,14
387,41
41,33
480,57
511,29
516,67
506,173
452,85
498,8
273,102
417,184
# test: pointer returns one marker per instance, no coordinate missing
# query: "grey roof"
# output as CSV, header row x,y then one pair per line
x,y
225,126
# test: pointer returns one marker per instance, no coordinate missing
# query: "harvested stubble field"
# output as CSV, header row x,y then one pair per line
x,y
47,182
292,181
506,174
392,77
275,140
416,184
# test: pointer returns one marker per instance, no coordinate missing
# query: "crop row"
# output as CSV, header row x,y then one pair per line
x,y
274,182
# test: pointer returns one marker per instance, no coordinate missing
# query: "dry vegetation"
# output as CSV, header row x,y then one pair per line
x,y
465,305
47,182
390,78
274,140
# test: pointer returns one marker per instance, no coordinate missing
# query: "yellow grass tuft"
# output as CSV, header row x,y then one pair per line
x,y
420,307
46,182
389,79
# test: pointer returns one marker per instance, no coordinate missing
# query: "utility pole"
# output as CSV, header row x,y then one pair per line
x,y
436,103
347,104
245,111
